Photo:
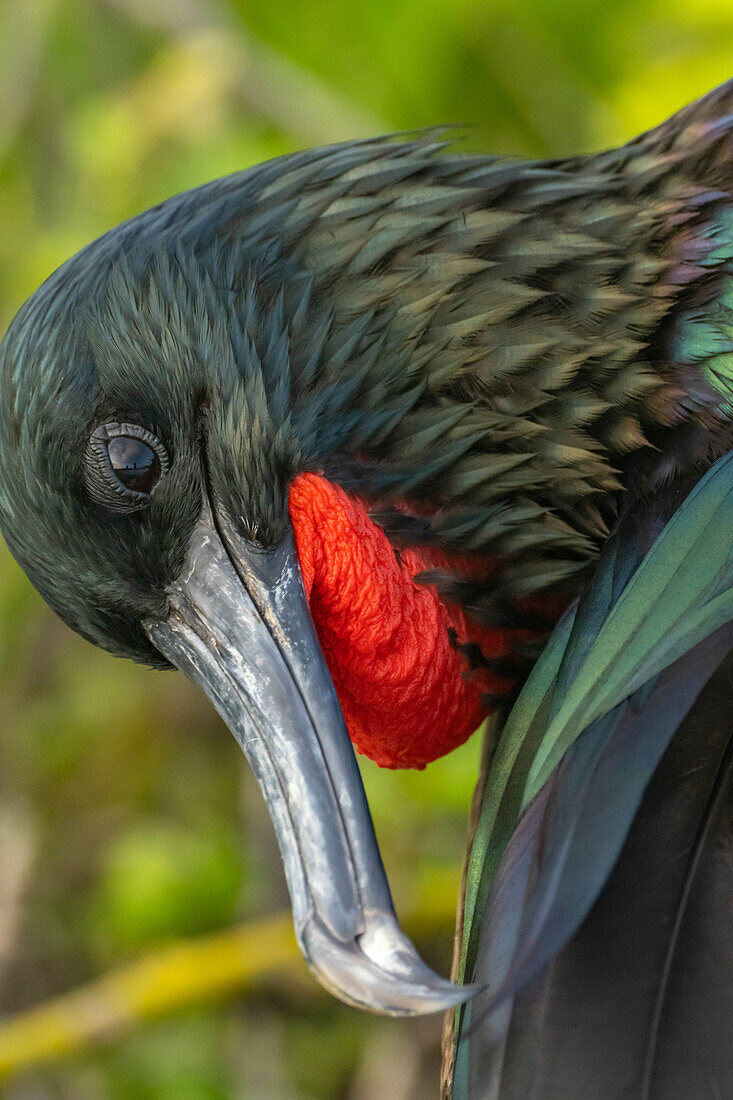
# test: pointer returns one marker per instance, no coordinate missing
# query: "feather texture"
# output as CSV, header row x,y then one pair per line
x,y
582,742
638,1006
512,344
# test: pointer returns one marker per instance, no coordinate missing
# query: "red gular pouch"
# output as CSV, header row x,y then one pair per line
x,y
394,648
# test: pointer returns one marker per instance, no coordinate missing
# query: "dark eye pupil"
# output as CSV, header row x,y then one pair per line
x,y
135,464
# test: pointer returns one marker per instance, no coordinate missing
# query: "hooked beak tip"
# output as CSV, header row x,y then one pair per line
x,y
379,970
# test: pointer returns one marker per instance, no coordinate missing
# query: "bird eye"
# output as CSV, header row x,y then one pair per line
x,y
135,464
122,465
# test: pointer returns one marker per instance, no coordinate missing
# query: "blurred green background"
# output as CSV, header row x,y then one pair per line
x,y
127,818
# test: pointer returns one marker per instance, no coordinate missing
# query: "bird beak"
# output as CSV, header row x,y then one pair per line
x,y
239,625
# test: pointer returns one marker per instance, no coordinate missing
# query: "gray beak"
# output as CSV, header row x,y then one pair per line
x,y
239,625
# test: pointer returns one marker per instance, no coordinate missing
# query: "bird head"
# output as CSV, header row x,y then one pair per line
x,y
176,401
316,435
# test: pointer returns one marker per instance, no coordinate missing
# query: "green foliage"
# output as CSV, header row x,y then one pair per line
x,y
182,1059
159,880
126,812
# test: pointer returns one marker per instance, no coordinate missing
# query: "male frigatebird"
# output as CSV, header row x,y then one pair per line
x,y
342,436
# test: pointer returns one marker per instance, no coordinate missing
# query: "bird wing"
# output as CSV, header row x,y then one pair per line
x,y
578,750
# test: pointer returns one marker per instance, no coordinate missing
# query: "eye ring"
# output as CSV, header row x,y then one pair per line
x,y
103,482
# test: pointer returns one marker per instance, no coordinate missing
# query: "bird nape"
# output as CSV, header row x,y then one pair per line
x,y
343,435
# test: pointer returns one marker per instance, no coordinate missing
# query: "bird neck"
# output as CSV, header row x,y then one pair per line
x,y
414,673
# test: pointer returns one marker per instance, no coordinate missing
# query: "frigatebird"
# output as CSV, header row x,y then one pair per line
x,y
345,437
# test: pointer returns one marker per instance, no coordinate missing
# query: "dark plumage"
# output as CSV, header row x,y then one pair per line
x,y
612,695
504,359
497,337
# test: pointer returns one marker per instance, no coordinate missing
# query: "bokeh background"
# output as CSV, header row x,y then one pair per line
x,y
128,820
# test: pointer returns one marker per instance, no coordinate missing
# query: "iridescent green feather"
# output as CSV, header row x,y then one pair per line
x,y
644,611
